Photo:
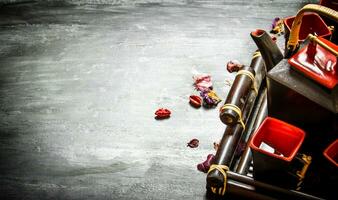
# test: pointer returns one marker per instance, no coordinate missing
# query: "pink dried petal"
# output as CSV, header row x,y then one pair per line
x,y
202,82
205,166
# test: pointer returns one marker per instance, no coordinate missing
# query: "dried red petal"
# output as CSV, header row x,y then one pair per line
x,y
162,113
205,166
234,66
193,143
195,101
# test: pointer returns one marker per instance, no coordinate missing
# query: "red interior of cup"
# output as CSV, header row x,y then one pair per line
x,y
331,153
283,137
311,23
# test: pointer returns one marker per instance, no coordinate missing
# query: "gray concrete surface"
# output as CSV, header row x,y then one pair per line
x,y
79,86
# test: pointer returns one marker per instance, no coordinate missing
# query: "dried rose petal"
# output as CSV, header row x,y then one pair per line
x,y
274,22
205,166
195,101
206,99
234,66
162,113
193,143
202,77
202,82
277,26
214,97
210,98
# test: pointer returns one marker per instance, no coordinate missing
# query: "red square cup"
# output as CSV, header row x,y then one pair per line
x,y
285,140
331,153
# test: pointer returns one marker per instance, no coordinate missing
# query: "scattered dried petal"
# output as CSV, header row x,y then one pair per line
x,y
277,26
274,22
210,98
202,82
162,113
205,166
234,66
195,101
214,97
193,143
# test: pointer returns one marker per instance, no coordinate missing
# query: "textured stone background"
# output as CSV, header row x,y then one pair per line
x,y
79,85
